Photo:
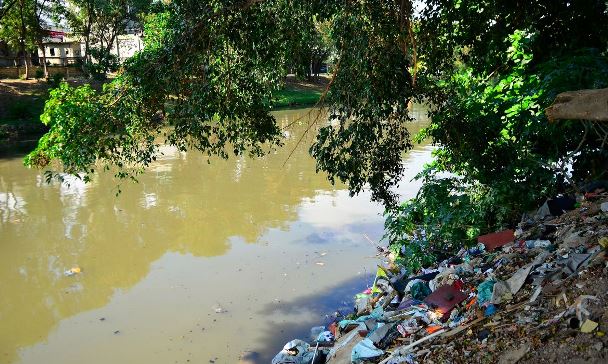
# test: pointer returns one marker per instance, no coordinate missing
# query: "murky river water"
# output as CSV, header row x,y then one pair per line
x,y
196,263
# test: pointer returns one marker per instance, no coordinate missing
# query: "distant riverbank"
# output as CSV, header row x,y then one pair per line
x,y
22,102
299,93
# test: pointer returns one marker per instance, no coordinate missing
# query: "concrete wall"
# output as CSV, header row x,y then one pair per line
x,y
60,53
16,72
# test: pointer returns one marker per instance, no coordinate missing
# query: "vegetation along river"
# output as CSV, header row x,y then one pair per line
x,y
196,263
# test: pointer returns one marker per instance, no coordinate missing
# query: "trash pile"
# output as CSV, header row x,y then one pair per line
x,y
538,292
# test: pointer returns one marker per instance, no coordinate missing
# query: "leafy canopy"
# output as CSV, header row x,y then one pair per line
x,y
490,73
487,68
208,71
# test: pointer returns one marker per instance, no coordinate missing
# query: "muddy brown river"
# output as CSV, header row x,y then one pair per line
x,y
196,263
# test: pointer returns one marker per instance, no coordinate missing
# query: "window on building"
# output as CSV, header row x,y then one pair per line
x,y
52,51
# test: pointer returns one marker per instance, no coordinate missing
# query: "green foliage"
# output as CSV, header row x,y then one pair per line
x,y
214,98
367,134
446,215
17,26
23,25
206,78
501,155
313,47
56,79
291,97
493,131
78,139
99,23
103,61
209,70
476,32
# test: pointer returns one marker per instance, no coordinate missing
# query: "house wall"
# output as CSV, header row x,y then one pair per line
x,y
126,46
17,72
61,54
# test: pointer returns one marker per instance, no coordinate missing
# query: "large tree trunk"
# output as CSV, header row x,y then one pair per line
x,y
40,32
22,38
43,58
580,105
87,37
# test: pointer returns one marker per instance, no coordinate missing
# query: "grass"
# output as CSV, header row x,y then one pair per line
x,y
290,97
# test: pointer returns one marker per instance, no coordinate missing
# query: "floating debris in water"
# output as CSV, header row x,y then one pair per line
x,y
72,271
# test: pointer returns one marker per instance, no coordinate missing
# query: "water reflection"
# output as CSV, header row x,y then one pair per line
x,y
181,205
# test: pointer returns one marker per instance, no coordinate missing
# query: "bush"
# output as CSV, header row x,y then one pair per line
x,y
39,74
104,62
56,79
498,155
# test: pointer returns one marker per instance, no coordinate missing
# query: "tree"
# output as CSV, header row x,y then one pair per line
x,y
5,7
99,23
488,68
25,26
42,10
16,29
313,47
490,73
210,75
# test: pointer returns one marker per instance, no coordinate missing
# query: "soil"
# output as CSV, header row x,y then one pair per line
x,y
317,83
21,103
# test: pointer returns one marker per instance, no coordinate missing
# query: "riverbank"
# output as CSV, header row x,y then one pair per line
x,y
299,93
22,102
536,293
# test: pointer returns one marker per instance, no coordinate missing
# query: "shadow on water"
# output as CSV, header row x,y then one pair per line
x,y
319,304
18,149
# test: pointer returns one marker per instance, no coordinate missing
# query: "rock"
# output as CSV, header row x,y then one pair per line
x,y
514,355
604,206
598,346
573,240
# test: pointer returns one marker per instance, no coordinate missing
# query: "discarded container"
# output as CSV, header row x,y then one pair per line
x,y
588,326
444,299
559,205
294,352
476,250
380,282
496,240
514,286
365,350
531,244
490,310
315,331
420,290
325,337
73,271
484,292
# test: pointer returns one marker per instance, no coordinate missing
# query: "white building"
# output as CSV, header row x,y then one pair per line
x,y
62,50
